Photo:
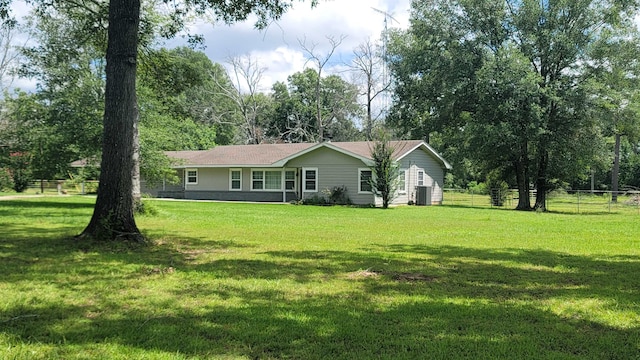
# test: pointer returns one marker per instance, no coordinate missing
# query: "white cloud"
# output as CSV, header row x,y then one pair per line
x,y
279,64
278,47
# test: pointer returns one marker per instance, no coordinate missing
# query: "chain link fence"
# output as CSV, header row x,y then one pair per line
x,y
62,187
576,201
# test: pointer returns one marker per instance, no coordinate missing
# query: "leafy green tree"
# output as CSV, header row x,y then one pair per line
x,y
60,122
617,87
384,182
442,61
295,116
188,85
168,82
630,164
506,119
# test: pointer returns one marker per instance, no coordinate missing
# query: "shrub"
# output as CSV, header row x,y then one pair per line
x,y
5,180
477,188
145,208
337,195
499,189
315,199
21,179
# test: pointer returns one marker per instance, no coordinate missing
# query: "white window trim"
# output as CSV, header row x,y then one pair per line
x,y
403,171
418,178
186,177
264,180
304,179
231,179
295,182
360,170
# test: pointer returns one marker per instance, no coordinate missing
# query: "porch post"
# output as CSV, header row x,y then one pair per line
x,y
283,183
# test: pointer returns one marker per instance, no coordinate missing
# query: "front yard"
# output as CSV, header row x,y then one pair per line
x,y
248,281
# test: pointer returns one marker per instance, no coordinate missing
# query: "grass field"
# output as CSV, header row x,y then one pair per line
x,y
259,281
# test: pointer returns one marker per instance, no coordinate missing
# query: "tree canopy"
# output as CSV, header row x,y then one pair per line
x,y
507,80
297,103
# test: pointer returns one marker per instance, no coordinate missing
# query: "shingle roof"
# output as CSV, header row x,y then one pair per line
x,y
231,155
269,154
363,148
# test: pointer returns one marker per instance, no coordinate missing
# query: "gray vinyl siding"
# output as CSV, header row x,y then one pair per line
x,y
210,179
433,175
334,169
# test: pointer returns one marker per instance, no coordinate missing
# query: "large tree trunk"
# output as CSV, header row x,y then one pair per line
x,y
522,178
113,213
615,171
541,180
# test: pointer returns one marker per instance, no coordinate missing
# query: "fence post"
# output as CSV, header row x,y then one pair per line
x,y
578,201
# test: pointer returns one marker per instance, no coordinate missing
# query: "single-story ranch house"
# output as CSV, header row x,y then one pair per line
x,y
288,172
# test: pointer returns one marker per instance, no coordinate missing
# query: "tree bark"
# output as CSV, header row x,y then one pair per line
x,y
615,171
522,165
113,217
541,180
522,178
136,191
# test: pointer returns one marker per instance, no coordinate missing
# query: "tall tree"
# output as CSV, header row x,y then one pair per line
x,y
369,73
507,118
296,104
113,213
245,73
320,61
437,64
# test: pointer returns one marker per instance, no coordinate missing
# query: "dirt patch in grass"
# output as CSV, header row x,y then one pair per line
x,y
363,274
404,277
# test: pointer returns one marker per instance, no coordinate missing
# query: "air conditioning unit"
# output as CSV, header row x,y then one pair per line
x,y
423,195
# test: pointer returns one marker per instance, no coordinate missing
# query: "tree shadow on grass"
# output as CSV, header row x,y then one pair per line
x,y
268,324
29,252
419,302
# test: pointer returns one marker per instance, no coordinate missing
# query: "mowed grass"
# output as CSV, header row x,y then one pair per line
x,y
260,281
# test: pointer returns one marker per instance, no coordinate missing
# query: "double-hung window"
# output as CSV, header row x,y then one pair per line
x,y
191,176
267,180
310,179
402,181
257,180
420,181
364,183
235,179
290,180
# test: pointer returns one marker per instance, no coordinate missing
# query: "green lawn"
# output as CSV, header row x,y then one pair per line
x,y
248,281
